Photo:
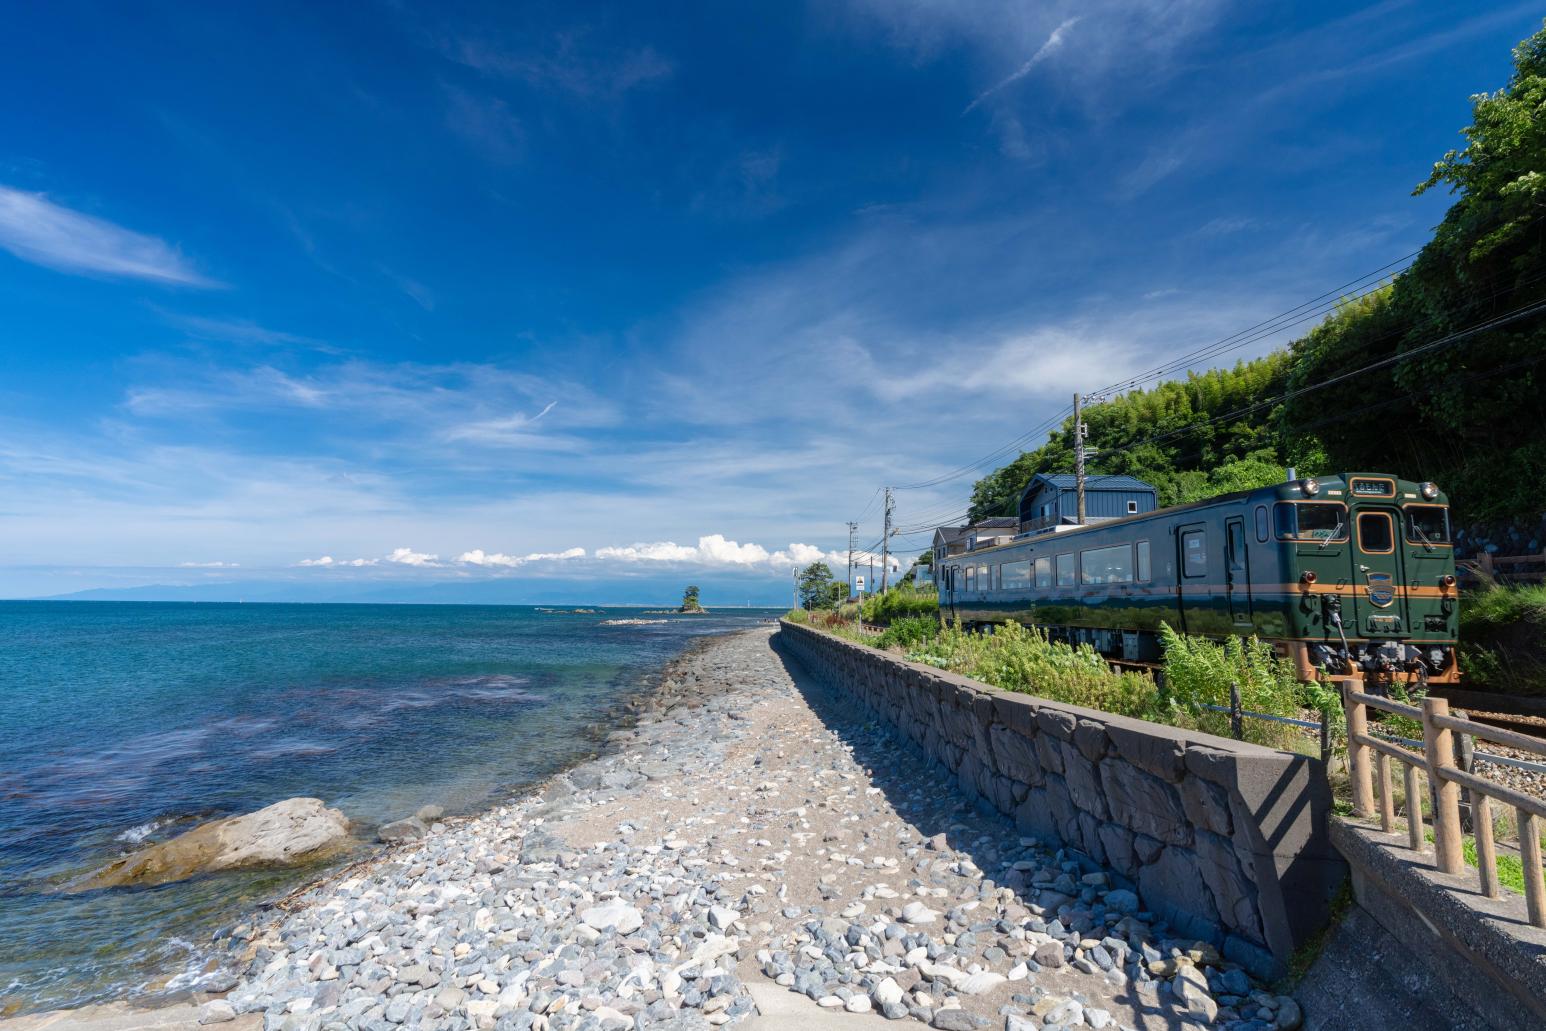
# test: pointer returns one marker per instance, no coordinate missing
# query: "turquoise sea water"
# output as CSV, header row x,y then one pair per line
x,y
126,722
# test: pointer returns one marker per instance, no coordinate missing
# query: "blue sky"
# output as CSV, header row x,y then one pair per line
x,y
600,295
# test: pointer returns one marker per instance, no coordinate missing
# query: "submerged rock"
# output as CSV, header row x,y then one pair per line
x,y
293,831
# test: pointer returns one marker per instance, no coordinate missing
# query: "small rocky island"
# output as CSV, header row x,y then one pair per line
x,y
690,604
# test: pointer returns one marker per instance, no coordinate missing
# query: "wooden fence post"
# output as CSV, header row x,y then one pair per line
x,y
1530,859
1358,752
1236,720
1439,748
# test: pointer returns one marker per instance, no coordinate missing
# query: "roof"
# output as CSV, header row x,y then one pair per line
x,y
950,533
995,522
1067,481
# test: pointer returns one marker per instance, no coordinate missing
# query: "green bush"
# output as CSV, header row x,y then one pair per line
x,y
1017,658
1502,630
797,616
908,632
1198,672
901,602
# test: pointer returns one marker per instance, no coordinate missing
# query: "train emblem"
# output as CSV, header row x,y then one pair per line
x,y
1381,589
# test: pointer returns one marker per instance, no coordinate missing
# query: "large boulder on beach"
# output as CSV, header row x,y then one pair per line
x,y
297,830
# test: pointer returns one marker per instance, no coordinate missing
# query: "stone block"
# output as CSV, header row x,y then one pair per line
x,y
1090,739
1014,755
1149,748
1118,843
1172,886
1083,779
1059,724
1089,841
1065,814
1034,816
1233,892
1146,849
1144,804
1017,712
1206,805
1050,752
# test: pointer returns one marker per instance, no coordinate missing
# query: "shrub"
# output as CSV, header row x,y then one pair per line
x,y
1501,635
1199,671
797,616
1017,658
901,602
909,632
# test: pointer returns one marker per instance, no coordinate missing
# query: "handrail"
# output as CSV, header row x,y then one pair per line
x,y
1445,779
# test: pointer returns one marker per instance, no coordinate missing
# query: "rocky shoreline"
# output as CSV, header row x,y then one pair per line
x,y
753,842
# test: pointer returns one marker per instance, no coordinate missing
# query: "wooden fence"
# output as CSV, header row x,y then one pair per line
x,y
1437,763
1512,569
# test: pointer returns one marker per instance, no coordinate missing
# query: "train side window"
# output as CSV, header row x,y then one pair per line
x,y
1262,532
1016,575
1107,565
985,578
1310,521
1144,574
1044,572
1065,570
970,576
1194,553
1376,532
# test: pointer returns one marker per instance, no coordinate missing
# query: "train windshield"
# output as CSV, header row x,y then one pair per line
x,y
1427,524
1311,521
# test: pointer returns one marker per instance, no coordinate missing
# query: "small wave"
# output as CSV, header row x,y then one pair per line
x,y
287,749
631,622
139,832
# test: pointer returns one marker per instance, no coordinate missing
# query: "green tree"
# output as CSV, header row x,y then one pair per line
x,y
815,585
690,601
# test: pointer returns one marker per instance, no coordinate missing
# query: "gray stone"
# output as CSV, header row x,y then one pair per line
x,y
1144,804
1083,780
1049,954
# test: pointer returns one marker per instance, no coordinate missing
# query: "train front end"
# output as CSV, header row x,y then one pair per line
x,y
1373,567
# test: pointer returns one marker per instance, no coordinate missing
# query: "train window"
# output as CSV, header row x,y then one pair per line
x,y
1194,553
1044,572
970,577
1065,570
1427,524
1376,532
1107,565
1016,575
1144,573
985,578
1311,521
1262,532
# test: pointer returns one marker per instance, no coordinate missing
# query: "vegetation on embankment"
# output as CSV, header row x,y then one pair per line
x,y
1198,673
1442,414
1503,640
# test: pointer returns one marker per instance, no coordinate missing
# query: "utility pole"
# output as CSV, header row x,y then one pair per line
x,y
1079,432
885,546
853,528
794,581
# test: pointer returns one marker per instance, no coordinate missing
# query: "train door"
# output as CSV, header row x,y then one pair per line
x,y
1378,585
1237,572
1192,591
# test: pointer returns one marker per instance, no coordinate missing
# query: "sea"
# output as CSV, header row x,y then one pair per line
x,y
124,723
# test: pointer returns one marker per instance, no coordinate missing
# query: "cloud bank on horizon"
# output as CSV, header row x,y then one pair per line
x,y
635,280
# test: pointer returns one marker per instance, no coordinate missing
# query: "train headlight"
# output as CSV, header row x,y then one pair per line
x,y
1307,577
1430,490
1447,580
1311,486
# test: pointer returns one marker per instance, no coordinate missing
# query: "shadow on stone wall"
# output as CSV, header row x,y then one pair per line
x,y
1226,841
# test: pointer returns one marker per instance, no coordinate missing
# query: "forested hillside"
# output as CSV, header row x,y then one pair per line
x,y
1456,401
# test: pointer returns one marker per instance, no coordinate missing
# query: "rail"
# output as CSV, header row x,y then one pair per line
x,y
1436,763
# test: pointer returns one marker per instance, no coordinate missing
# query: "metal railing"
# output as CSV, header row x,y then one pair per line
x,y
1437,763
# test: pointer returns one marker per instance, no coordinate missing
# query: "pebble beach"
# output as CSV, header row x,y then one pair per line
x,y
754,844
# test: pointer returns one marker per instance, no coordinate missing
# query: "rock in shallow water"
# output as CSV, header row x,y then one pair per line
x,y
293,831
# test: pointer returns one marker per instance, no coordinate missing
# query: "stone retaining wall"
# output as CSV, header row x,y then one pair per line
x,y
1225,840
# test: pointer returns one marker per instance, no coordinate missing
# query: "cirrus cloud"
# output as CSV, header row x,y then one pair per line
x,y
35,229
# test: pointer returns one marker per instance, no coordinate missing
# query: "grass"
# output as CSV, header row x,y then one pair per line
x,y
901,602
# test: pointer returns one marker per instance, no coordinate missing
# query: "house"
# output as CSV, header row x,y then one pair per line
x,y
987,532
948,540
1051,498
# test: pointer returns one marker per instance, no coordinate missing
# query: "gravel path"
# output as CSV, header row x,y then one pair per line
x,y
754,833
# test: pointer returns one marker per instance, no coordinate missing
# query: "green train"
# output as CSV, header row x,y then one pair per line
x,y
1351,575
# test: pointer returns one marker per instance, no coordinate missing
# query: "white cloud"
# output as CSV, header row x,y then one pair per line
x,y
1046,50
208,565
478,557
328,560
37,230
714,550
409,557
